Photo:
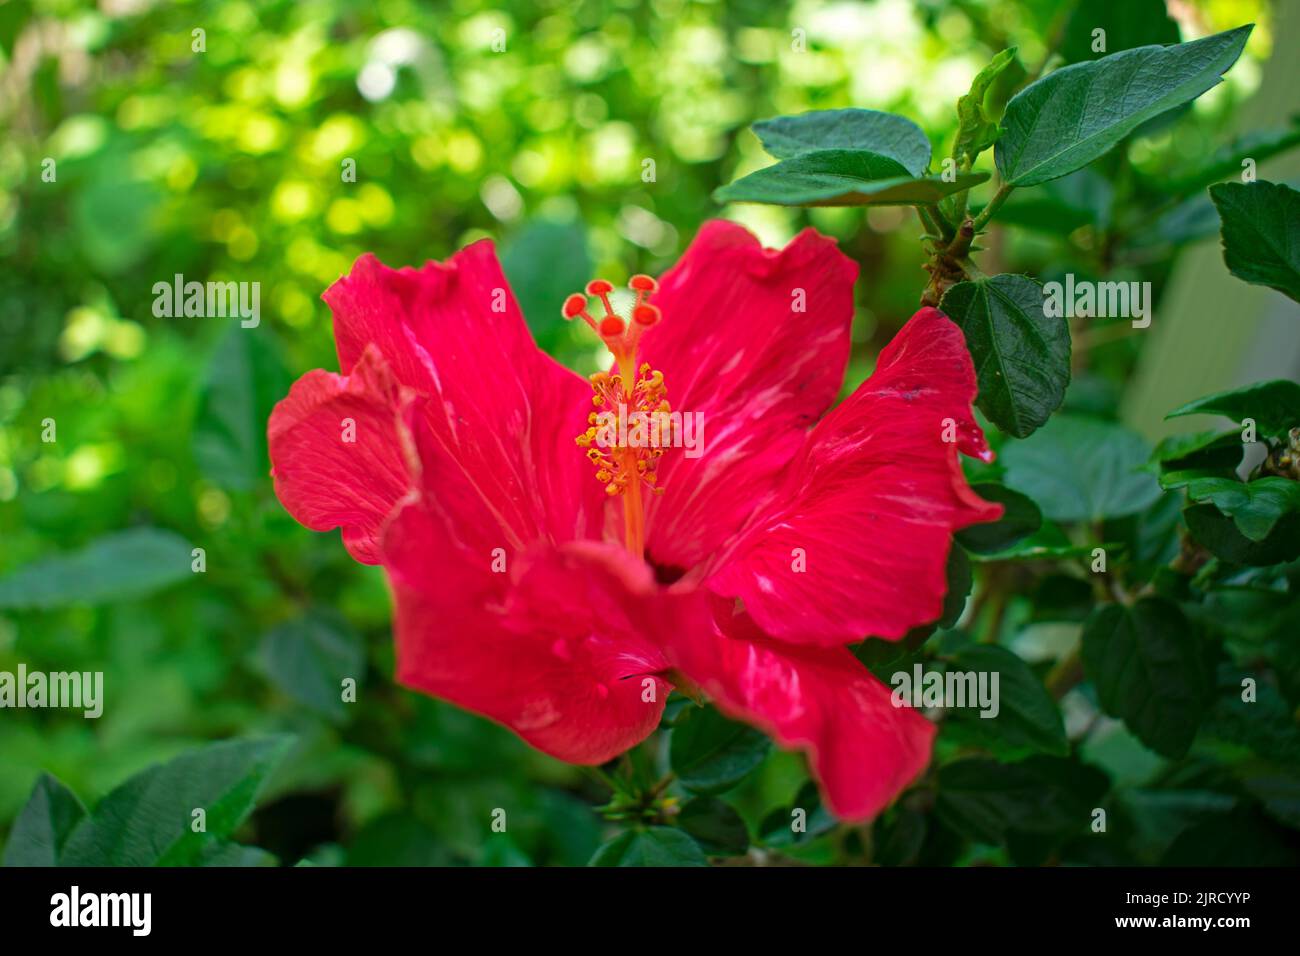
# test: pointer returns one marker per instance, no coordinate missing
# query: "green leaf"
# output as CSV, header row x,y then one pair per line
x,y
1255,507
959,580
1174,480
309,657
1188,221
715,825
234,855
843,177
1261,233
1068,118
1274,406
884,134
1022,355
1132,23
806,813
1083,198
245,379
1082,469
545,262
147,820
1258,145
117,567
1046,544
397,839
979,110
1020,518
899,837
710,753
653,846
1027,721
1209,450
1220,535
1149,670
1242,838
43,824
986,800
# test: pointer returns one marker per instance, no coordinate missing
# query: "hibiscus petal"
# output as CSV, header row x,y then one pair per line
x,y
863,749
549,647
734,349
336,455
500,413
857,540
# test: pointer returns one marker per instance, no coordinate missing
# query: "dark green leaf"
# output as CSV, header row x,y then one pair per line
x,y
1174,480
1241,838
959,580
147,820
1212,451
397,839
1020,518
710,753
1027,719
1274,406
245,379
899,837
1149,670
1022,355
715,825
1047,543
1188,221
1132,23
1062,597
805,819
1257,145
117,567
1082,469
545,262
1068,118
43,825
986,800
309,657
654,846
843,177
1255,507
884,134
234,855
1219,534
1261,233
1061,206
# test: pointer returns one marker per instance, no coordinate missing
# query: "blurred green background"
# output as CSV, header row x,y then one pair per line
x,y
226,165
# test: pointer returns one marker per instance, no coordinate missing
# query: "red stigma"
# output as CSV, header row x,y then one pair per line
x,y
645,315
610,326
574,305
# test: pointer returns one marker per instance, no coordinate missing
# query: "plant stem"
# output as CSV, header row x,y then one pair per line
x,y
931,224
963,197
937,222
994,205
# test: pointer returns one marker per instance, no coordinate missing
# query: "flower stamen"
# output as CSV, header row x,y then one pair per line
x,y
625,437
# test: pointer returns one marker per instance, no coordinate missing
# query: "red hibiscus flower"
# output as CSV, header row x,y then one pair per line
x,y
564,588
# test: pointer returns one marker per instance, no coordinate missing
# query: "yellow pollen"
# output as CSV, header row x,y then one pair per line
x,y
625,440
